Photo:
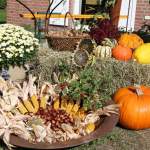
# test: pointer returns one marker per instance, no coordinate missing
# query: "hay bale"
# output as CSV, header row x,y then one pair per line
x,y
116,74
47,60
113,74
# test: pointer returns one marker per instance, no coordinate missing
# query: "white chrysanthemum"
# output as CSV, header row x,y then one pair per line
x,y
21,55
15,41
28,50
31,48
3,44
9,55
22,47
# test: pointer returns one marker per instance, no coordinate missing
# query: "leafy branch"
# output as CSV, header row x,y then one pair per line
x,y
85,89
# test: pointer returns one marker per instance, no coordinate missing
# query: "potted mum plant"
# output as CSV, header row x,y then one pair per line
x,y
17,46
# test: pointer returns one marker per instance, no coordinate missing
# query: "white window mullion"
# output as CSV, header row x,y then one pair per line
x,y
77,6
61,9
128,22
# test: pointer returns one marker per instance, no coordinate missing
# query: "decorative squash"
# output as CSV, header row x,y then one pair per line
x,y
142,54
103,51
130,40
122,53
134,107
109,42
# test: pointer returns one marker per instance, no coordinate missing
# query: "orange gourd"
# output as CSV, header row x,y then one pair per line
x,y
130,40
134,107
122,53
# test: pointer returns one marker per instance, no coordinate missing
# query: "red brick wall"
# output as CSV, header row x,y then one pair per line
x,y
142,10
14,9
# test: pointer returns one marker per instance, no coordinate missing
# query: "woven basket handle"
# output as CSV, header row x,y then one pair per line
x,y
48,16
68,13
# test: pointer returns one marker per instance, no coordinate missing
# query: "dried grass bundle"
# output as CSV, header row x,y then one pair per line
x,y
112,73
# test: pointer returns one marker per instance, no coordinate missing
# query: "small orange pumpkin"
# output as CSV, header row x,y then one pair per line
x,y
134,107
122,53
130,40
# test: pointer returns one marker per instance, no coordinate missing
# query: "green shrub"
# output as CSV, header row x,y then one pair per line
x,y
3,4
2,16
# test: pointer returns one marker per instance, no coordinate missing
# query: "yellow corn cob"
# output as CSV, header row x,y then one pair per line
x,y
64,103
56,103
22,108
75,109
35,103
43,102
90,127
81,113
69,106
29,106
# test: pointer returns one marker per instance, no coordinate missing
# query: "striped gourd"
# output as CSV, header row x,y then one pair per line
x,y
109,42
103,51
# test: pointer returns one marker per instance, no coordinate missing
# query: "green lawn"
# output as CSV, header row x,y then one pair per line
x,y
2,15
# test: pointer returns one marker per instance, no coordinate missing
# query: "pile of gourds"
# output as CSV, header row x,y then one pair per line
x,y
128,46
105,49
131,46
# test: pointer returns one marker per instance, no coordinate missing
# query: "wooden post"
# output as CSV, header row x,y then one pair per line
x,y
115,13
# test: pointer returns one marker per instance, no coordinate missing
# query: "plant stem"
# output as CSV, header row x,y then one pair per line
x,y
138,89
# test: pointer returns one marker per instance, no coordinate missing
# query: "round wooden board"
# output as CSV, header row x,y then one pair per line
x,y
106,126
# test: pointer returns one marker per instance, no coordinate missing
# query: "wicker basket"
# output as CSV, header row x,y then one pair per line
x,y
63,42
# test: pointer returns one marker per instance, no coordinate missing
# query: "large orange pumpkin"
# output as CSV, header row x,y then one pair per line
x,y
122,53
134,107
130,40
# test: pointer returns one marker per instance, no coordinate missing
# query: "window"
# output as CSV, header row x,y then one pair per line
x,y
61,9
89,6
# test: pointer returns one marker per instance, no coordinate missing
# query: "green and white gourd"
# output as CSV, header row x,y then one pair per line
x,y
109,42
103,51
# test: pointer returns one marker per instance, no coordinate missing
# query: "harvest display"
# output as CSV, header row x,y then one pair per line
x,y
110,43
133,100
70,107
40,114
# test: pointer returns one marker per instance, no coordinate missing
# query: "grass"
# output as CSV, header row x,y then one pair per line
x,y
2,16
